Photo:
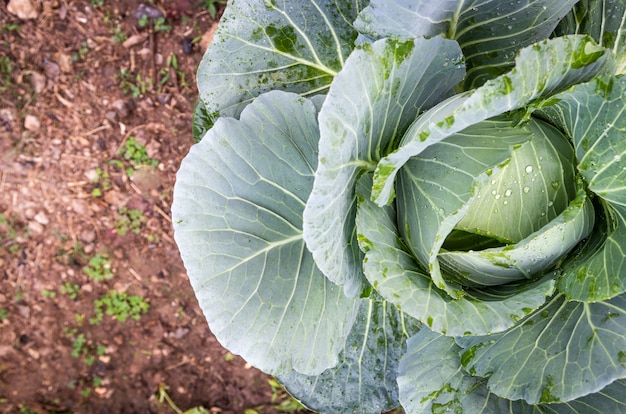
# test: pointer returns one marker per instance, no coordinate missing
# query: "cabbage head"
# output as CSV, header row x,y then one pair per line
x,y
415,203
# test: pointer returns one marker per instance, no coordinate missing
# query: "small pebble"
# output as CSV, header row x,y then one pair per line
x,y
31,123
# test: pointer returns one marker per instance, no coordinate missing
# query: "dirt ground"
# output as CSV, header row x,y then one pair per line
x,y
96,312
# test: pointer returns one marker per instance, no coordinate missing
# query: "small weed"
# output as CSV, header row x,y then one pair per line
x,y
9,236
134,85
4,314
79,346
212,6
101,182
48,294
25,410
6,70
143,21
81,52
163,397
159,24
129,220
119,306
118,35
97,381
11,27
99,268
96,3
74,254
70,289
136,154
282,401
171,66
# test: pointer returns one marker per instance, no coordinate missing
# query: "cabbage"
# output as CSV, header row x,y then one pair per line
x,y
415,203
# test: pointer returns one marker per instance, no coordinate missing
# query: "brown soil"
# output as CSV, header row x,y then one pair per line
x,y
73,99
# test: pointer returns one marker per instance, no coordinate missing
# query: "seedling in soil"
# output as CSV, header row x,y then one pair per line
x,y
118,35
171,67
48,294
160,25
99,268
281,400
81,52
89,352
136,153
11,27
212,6
135,87
70,289
81,347
6,69
102,182
119,306
163,397
8,234
129,220
4,314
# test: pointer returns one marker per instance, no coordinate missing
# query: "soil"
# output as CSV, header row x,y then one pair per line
x,y
96,311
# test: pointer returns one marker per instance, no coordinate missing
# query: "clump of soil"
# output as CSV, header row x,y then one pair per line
x,y
96,311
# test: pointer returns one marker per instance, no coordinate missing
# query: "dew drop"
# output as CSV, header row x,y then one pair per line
x,y
494,192
508,193
498,196
505,202
526,190
529,169
493,182
550,203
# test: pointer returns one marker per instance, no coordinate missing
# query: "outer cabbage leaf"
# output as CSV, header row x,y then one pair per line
x,y
237,214
261,45
609,400
594,116
394,274
431,380
490,32
364,381
563,351
372,101
201,121
605,21
540,70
